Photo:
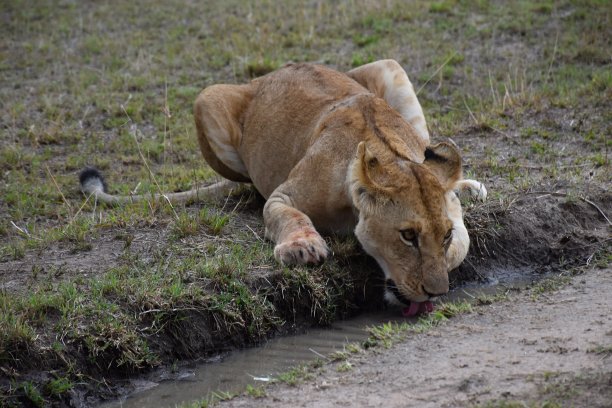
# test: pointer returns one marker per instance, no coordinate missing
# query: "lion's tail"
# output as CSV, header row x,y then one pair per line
x,y
92,183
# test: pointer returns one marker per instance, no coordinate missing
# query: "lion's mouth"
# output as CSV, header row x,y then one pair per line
x,y
417,308
413,308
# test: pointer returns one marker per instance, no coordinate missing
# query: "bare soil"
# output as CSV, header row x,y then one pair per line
x,y
555,349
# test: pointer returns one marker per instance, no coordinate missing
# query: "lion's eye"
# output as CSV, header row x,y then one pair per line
x,y
409,237
448,236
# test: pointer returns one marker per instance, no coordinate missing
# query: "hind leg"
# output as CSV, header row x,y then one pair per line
x,y
218,113
388,80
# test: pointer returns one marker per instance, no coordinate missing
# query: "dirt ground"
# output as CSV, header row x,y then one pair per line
x,y
556,350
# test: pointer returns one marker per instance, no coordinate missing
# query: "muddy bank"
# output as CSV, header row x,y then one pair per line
x,y
523,235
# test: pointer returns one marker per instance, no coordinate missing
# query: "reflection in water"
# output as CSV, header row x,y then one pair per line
x,y
257,365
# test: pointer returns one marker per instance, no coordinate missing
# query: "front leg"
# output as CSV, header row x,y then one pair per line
x,y
297,241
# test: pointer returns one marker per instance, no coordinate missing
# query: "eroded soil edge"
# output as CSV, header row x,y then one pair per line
x,y
531,234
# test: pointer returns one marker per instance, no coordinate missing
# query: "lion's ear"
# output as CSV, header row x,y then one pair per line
x,y
444,161
365,191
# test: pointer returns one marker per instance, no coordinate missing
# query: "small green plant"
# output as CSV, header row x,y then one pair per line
x,y
12,157
215,222
185,225
59,386
15,250
260,67
441,6
490,299
599,159
353,348
255,392
358,59
538,148
386,334
363,40
17,335
338,356
221,395
548,285
32,394
295,375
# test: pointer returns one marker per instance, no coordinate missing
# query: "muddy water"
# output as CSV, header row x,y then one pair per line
x,y
234,371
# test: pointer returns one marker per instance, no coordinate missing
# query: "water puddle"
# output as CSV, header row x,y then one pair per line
x,y
231,373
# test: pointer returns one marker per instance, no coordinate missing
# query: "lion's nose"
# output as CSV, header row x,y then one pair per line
x,y
435,283
433,294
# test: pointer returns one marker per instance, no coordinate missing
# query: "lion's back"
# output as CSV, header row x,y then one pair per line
x,y
282,117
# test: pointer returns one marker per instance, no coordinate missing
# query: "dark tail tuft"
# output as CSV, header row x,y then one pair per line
x,y
91,179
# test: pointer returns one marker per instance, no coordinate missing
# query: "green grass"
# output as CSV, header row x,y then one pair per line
x,y
59,386
390,333
32,394
111,317
113,86
548,285
255,392
297,374
17,336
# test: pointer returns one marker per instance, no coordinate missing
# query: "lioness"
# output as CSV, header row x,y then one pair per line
x,y
338,152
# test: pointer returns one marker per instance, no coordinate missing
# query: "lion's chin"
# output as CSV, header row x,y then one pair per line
x,y
394,296
391,299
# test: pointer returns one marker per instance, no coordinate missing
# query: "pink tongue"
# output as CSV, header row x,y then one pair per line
x,y
416,308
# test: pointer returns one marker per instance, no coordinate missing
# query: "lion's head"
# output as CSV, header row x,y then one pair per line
x,y
403,218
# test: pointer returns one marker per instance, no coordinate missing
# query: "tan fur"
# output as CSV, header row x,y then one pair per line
x,y
342,153
336,152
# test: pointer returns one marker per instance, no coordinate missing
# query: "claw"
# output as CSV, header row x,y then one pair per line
x,y
302,249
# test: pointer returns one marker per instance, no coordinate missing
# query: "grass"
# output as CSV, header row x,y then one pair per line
x,y
297,374
113,86
59,386
255,392
112,317
390,333
548,285
32,394
603,350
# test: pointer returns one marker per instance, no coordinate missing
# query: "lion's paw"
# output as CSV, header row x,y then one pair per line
x,y
301,248
476,189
